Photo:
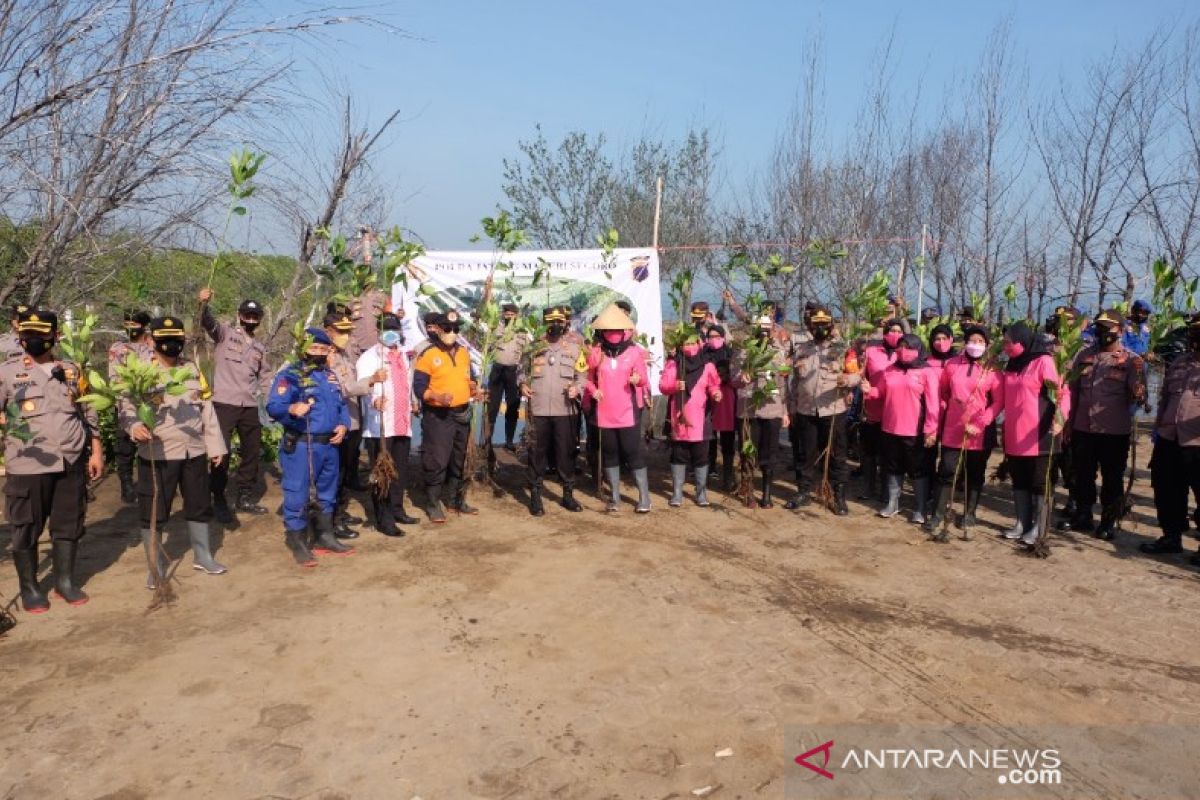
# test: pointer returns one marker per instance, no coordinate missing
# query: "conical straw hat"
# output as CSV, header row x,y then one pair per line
x,y
613,319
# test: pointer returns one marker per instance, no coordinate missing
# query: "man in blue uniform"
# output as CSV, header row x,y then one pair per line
x,y
309,405
1136,336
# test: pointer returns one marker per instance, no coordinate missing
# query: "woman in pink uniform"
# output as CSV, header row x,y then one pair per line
x,y
941,350
689,380
970,391
723,411
617,383
909,421
1031,423
877,357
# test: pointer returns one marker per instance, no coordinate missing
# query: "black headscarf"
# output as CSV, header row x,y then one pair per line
x,y
1020,333
613,350
691,367
721,359
912,342
948,331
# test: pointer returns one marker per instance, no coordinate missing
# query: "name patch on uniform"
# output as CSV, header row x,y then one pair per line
x,y
28,405
437,362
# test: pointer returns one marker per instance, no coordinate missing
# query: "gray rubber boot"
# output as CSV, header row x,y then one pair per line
x,y
702,486
921,496
1029,521
642,479
614,482
1023,503
163,564
202,559
678,473
892,484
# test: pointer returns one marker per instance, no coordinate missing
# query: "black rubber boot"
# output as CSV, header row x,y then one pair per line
x,y
1107,529
766,501
839,500
62,554
221,510
967,520
297,543
460,505
435,510
128,490
385,521
568,499
402,517
1164,545
934,521
801,499
327,543
535,501
32,599
342,519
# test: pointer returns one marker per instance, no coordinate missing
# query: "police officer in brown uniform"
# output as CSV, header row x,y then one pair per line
x,y
137,343
824,374
186,438
552,376
1110,381
10,344
343,365
48,474
1175,463
239,376
502,381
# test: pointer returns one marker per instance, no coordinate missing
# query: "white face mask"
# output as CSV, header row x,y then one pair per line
x,y
975,349
390,338
448,338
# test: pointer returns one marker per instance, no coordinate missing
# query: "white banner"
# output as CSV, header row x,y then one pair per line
x,y
580,279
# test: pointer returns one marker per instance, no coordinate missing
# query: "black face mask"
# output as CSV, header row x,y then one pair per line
x,y
250,324
1108,336
820,333
555,331
37,346
316,361
135,333
171,348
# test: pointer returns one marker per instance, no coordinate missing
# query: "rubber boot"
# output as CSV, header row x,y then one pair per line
x,y
892,484
246,505
435,510
163,563
678,473
936,513
568,499
614,483
459,503
869,472
1022,503
967,520
342,520
62,554
297,544
1166,544
642,479
801,499
32,599
1107,529
839,500
221,510
1029,537
128,490
202,559
385,521
766,501
535,501
327,543
702,486
920,500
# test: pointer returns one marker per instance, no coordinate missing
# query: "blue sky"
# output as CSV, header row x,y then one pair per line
x,y
481,75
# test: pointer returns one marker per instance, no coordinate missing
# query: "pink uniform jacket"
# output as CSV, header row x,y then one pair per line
x,y
970,394
876,359
1028,414
901,391
617,408
691,427
724,413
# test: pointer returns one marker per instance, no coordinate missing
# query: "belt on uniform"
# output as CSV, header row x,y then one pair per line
x,y
442,410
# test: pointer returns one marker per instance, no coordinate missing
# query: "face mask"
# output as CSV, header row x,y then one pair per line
x,y
716,342
906,355
1108,336
975,349
555,331
317,361
390,338
691,350
340,340
941,345
171,348
614,337
448,338
37,346
135,333
891,339
1013,349
250,324
820,333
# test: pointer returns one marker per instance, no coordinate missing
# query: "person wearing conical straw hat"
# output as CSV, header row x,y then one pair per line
x,y
617,382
